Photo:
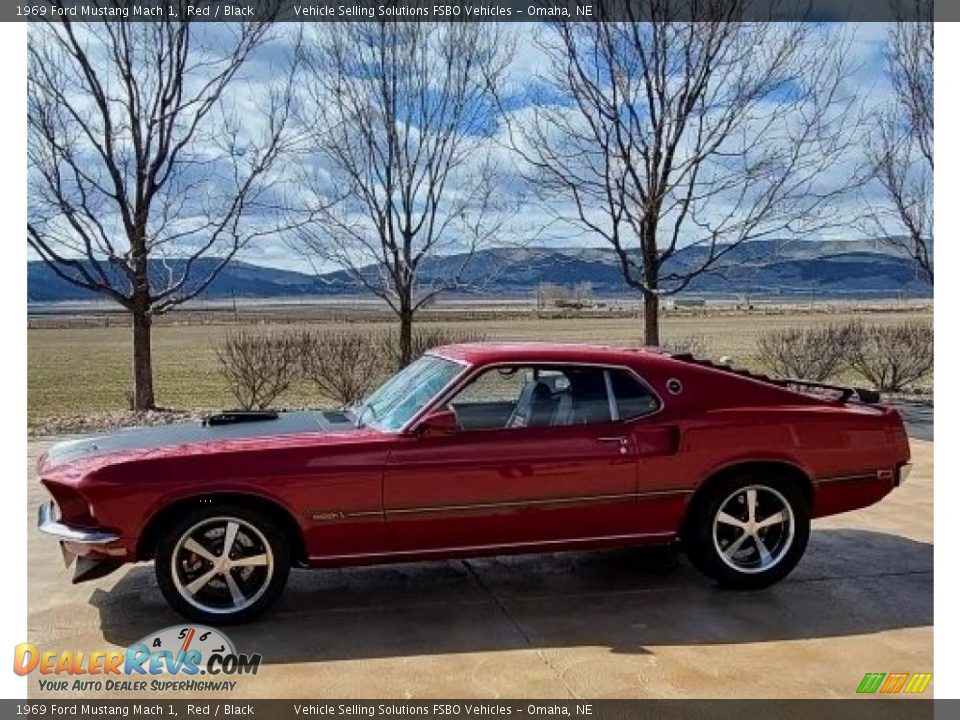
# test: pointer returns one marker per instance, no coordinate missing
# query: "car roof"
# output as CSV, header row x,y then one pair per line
x,y
486,353
729,386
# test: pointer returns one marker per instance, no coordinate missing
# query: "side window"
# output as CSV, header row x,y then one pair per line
x,y
533,396
633,399
488,402
497,385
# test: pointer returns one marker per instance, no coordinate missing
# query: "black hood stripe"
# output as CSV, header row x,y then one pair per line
x,y
145,438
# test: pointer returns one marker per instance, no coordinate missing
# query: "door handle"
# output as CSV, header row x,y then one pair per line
x,y
621,440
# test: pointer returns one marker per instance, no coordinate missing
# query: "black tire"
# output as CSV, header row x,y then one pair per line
x,y
257,538
746,568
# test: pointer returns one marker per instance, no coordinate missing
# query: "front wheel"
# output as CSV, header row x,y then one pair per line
x,y
750,530
222,564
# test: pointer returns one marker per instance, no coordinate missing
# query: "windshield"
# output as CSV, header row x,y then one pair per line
x,y
406,393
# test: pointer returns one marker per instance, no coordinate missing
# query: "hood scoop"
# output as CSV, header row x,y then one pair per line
x,y
337,417
234,417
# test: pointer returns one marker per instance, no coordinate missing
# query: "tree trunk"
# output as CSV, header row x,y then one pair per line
x,y
651,318
406,337
142,362
651,279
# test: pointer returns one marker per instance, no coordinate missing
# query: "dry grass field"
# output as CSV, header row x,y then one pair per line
x,y
82,367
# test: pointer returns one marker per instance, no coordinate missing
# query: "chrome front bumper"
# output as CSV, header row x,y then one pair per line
x,y
65,533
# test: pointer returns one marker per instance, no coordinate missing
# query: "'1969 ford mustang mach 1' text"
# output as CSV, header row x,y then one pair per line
x,y
478,449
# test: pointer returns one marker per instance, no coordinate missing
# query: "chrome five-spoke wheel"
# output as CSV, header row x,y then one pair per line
x,y
222,565
749,529
753,529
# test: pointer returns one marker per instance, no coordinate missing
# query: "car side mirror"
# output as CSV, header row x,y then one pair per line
x,y
438,423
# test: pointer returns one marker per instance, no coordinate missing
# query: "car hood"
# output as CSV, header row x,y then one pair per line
x,y
196,433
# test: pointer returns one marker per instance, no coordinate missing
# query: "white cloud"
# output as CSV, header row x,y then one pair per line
x,y
535,222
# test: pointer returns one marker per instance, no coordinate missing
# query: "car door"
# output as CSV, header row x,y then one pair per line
x,y
662,488
556,468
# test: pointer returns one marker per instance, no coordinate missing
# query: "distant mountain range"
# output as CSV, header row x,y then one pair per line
x,y
829,268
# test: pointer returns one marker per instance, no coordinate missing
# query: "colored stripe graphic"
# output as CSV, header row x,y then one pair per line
x,y
894,683
871,682
918,682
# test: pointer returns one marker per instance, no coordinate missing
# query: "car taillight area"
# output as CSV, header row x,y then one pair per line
x,y
903,472
897,432
900,445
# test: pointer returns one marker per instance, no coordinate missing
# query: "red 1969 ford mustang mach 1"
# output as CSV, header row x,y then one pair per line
x,y
478,449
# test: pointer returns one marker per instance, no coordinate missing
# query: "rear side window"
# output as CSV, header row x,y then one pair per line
x,y
632,397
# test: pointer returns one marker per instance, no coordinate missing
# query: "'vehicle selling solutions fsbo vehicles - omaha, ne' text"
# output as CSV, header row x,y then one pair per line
x,y
478,449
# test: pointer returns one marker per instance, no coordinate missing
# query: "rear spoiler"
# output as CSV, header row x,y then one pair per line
x,y
842,392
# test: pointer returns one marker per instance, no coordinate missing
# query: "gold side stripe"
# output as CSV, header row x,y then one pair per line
x,y
848,478
519,503
585,499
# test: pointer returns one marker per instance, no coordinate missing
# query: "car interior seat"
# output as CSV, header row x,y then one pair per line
x,y
590,402
535,406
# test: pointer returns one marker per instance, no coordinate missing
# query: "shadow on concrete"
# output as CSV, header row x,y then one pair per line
x,y
851,582
918,417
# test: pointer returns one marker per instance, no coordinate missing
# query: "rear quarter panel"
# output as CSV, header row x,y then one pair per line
x,y
725,419
849,453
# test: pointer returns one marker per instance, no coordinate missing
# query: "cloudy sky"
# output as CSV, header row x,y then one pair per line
x,y
535,222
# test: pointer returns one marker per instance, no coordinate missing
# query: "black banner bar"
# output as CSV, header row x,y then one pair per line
x,y
874,708
454,10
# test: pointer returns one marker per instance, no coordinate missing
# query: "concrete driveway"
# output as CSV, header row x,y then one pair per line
x,y
623,623
918,416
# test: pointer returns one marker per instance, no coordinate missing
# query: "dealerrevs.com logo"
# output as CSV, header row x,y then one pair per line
x,y
180,651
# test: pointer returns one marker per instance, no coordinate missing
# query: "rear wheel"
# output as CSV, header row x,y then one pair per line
x,y
750,530
222,564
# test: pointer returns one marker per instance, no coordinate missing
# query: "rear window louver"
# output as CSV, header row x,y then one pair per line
x,y
838,393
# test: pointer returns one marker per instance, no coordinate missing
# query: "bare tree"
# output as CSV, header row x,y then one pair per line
x,y
901,149
696,345
551,294
399,164
583,293
425,337
343,365
812,353
259,367
891,357
676,142
146,176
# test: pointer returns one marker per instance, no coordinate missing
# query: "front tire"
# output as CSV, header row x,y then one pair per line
x,y
222,564
749,530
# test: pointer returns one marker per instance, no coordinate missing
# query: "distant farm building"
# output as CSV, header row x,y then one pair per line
x,y
680,303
